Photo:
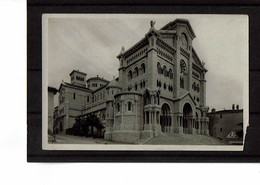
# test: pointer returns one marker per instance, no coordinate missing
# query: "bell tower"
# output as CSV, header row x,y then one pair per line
x,y
78,78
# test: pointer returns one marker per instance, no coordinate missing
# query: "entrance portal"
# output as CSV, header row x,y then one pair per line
x,y
187,115
165,118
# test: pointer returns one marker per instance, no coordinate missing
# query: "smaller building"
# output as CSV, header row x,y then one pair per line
x,y
227,125
56,128
51,92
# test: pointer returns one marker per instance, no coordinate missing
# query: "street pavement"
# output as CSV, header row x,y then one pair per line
x,y
183,139
162,139
69,139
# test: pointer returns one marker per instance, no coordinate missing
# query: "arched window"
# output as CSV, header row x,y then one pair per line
x,y
198,88
164,71
130,75
181,83
159,68
129,105
143,68
118,107
170,73
136,71
164,85
184,41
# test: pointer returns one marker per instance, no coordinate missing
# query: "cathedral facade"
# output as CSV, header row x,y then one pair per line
x,y
160,88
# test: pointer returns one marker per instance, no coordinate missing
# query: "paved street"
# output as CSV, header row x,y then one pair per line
x,y
183,139
69,139
163,139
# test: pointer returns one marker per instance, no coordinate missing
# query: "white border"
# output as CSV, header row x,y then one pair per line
x,y
131,147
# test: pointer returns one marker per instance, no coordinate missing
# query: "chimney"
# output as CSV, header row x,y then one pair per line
x,y
233,107
237,107
213,110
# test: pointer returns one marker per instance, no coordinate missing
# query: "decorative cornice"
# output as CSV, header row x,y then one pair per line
x,y
179,21
134,48
184,52
165,46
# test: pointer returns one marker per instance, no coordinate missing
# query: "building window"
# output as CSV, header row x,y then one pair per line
x,y
182,83
129,105
198,88
136,87
74,96
137,71
143,68
170,73
184,41
112,91
220,129
165,71
118,107
130,75
159,68
220,116
87,98
164,85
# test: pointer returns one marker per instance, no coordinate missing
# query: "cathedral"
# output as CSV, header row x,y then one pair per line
x,y
160,88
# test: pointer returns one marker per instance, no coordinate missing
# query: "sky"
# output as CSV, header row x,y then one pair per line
x,y
91,42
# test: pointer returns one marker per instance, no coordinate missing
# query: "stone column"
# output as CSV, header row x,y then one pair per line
x,y
122,114
155,118
150,120
145,118
172,124
136,125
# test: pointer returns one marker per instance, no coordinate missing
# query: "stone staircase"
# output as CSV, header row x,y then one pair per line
x,y
183,139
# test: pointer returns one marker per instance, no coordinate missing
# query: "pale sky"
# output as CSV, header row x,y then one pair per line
x,y
91,43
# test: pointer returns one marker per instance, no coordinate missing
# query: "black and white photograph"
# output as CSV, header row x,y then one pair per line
x,y
144,82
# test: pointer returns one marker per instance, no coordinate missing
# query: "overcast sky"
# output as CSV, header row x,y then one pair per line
x,y
91,43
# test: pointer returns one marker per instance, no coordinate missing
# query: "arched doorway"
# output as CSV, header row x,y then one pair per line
x,y
165,118
187,115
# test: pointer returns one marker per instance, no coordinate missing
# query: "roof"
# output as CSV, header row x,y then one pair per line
x,y
98,78
226,111
78,72
52,89
113,83
102,87
135,47
144,40
74,86
179,21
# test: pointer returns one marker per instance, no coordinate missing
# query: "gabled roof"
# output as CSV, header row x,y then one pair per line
x,y
135,47
184,95
74,86
179,21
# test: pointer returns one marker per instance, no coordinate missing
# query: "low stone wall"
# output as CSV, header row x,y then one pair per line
x,y
126,136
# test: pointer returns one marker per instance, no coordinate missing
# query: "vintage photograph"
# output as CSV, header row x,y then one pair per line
x,y
144,81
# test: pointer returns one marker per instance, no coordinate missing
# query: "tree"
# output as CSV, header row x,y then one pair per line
x,y
93,121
